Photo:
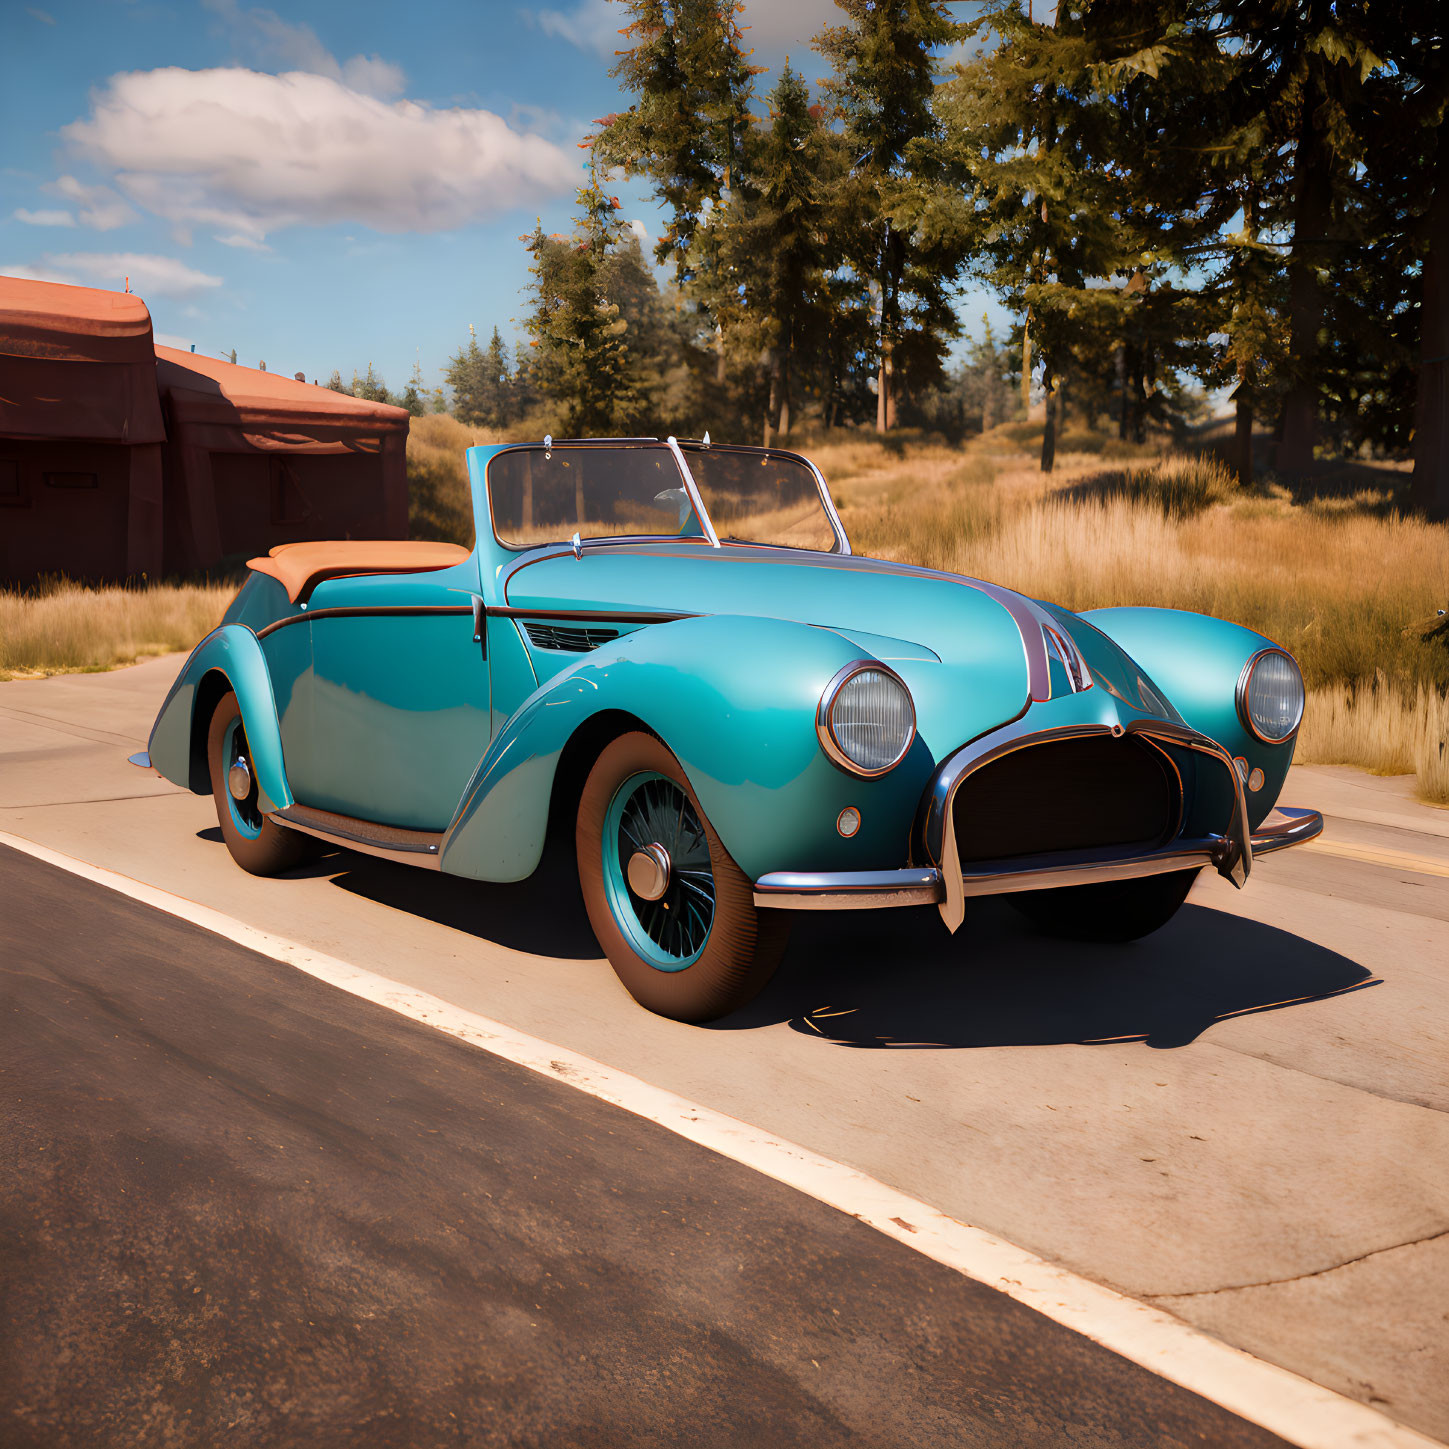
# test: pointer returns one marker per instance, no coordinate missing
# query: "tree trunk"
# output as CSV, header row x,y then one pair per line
x,y
1139,399
1430,488
719,362
1122,391
1312,183
1026,365
882,396
1049,431
1243,434
784,380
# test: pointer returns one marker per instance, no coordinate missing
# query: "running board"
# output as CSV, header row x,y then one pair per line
x,y
387,842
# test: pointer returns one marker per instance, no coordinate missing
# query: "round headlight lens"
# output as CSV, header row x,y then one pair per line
x,y
1270,696
866,721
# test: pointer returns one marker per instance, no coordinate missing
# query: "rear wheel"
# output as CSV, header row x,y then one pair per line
x,y
1117,910
675,915
257,844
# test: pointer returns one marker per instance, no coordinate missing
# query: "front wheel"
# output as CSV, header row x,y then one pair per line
x,y
1115,910
675,915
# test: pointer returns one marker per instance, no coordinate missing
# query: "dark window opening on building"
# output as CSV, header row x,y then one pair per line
x,y
11,493
289,503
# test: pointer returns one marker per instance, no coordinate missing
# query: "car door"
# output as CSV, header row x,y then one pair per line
x,y
399,697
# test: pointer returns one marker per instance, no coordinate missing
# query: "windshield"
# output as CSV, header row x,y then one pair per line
x,y
753,495
546,495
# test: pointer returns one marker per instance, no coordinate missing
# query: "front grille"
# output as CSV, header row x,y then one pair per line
x,y
568,637
1067,795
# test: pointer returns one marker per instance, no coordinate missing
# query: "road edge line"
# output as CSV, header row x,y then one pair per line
x,y
1295,1408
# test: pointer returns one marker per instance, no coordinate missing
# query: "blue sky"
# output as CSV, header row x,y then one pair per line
x,y
318,185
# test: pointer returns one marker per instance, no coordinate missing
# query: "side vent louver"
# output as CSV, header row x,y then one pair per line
x,y
570,638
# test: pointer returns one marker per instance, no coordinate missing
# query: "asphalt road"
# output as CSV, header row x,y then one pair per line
x,y
1241,1120
242,1207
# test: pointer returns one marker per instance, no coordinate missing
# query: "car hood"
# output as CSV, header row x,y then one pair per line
x,y
951,617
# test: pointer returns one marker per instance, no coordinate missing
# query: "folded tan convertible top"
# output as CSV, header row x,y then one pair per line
x,y
300,567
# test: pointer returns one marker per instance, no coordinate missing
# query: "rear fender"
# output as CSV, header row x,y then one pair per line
x,y
228,659
734,699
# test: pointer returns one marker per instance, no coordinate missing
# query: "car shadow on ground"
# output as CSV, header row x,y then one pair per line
x,y
543,915
896,980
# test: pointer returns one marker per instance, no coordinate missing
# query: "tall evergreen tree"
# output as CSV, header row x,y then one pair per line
x,y
467,376
582,354
771,243
900,221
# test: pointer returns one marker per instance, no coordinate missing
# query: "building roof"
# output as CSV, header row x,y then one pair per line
x,y
209,390
76,363
73,324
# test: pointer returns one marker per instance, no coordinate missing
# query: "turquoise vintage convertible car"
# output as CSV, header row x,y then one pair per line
x,y
668,649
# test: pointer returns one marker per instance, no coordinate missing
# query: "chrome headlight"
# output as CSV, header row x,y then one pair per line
x,y
866,720
1270,696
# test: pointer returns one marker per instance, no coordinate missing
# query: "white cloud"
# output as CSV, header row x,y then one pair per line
x,y
640,230
240,239
99,207
43,218
590,25
43,16
33,274
250,153
264,37
150,275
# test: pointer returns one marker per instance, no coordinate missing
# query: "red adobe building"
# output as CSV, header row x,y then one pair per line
x,y
120,458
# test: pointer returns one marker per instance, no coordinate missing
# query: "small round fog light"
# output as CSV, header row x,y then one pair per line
x,y
848,821
1255,780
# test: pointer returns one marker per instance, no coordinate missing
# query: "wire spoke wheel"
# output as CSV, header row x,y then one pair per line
x,y
671,929
674,912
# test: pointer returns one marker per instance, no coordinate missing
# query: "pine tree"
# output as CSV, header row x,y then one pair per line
x,y
467,374
897,217
772,247
582,355
412,398
688,69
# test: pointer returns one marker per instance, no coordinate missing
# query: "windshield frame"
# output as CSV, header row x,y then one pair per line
x,y
549,445
690,445
679,449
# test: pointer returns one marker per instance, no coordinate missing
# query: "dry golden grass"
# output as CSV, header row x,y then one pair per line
x,y
439,506
1382,729
61,627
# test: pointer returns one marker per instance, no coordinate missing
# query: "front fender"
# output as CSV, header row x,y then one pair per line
x,y
1196,660
734,699
228,658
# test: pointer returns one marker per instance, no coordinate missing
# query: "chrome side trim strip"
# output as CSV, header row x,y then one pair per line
x,y
361,611
849,890
387,842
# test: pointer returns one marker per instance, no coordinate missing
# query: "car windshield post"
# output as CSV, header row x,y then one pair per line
x,y
706,522
770,515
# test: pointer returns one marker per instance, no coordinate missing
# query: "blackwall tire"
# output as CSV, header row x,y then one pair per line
x,y
257,843
675,965
1118,910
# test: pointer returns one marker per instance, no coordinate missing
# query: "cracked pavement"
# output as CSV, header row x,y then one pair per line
x,y
1242,1118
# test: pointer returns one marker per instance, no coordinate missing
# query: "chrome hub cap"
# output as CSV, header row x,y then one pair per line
x,y
649,871
239,779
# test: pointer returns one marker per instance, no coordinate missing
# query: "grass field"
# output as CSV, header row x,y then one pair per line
x,y
1345,582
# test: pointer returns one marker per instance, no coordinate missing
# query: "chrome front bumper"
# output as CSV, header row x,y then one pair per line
x,y
872,890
